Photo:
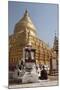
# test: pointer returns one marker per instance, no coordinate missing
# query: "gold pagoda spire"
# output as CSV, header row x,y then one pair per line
x,y
26,13
25,22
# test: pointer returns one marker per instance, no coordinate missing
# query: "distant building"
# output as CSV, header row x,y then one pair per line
x,y
24,34
54,59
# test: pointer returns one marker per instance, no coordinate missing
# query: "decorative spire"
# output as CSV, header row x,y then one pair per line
x,y
25,22
55,36
26,13
55,45
55,32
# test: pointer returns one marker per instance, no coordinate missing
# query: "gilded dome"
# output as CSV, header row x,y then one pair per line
x,y
24,22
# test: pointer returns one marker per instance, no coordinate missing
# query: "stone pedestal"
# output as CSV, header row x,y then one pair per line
x,y
30,76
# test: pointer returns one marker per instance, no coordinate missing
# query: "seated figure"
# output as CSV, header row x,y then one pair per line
x,y
44,75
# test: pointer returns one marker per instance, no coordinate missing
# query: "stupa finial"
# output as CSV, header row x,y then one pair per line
x,y
26,12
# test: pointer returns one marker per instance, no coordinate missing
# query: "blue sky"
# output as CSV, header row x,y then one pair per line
x,y
44,17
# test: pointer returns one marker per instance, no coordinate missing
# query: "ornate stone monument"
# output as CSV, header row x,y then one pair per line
x,y
30,66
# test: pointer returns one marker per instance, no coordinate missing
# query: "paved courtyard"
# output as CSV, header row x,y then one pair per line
x,y
39,84
52,81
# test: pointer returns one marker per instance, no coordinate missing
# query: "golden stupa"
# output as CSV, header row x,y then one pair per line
x,y
25,33
25,23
